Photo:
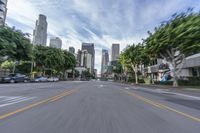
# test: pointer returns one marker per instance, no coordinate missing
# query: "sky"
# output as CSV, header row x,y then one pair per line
x,y
102,22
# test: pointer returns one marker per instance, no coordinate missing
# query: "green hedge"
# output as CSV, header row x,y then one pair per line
x,y
132,80
189,81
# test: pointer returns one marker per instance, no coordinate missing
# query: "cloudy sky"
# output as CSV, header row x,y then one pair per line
x,y
102,22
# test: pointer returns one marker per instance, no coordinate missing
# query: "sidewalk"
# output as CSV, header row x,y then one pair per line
x,y
170,87
181,89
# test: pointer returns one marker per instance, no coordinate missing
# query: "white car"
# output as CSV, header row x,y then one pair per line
x,y
41,79
53,79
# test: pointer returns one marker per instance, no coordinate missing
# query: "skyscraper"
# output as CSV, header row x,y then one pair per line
x,y
90,48
40,32
86,60
72,50
78,58
3,12
56,42
115,52
104,61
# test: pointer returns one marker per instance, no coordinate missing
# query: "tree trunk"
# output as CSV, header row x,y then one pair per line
x,y
152,78
177,60
135,71
73,74
136,78
175,81
13,70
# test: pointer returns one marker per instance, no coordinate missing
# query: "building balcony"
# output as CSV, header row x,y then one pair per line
x,y
2,8
151,69
3,2
192,61
2,15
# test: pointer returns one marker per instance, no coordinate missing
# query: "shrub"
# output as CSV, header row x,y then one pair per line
x,y
188,81
132,80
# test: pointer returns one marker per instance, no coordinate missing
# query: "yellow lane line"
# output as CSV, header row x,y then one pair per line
x,y
63,95
161,106
37,103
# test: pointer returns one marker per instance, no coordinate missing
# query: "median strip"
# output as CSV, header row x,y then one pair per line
x,y
51,99
161,106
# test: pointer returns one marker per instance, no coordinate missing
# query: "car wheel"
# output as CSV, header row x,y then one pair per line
x,y
25,81
12,81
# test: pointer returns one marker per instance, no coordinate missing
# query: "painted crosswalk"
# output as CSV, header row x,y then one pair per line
x,y
9,100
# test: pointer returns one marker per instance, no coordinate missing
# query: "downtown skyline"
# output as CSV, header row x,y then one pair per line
x,y
100,22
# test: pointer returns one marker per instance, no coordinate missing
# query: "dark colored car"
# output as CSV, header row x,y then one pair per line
x,y
14,78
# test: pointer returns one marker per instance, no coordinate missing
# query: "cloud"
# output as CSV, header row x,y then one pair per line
x,y
102,22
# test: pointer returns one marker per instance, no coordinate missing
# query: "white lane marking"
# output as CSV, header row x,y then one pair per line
x,y
188,96
169,92
160,90
178,94
9,100
101,86
3,105
15,99
126,88
78,81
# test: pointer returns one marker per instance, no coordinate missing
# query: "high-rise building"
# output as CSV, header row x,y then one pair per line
x,y
40,32
3,12
115,52
104,61
95,73
78,58
72,50
90,48
56,42
86,60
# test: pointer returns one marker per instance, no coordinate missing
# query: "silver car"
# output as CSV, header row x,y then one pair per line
x,y
41,79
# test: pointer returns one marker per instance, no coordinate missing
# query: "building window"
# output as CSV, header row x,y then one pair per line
x,y
194,72
198,72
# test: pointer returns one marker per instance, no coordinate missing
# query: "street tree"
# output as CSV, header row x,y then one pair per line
x,y
48,58
56,60
69,62
14,44
134,56
8,65
175,39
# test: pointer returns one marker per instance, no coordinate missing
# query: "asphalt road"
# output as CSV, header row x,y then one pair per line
x,y
96,107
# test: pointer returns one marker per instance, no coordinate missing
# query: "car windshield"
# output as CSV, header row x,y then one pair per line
x,y
11,75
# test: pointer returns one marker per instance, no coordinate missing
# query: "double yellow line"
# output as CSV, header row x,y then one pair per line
x,y
162,106
51,99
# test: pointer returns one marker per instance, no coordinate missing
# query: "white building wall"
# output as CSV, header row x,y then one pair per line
x,y
89,62
3,12
86,60
115,52
192,61
56,43
82,60
185,73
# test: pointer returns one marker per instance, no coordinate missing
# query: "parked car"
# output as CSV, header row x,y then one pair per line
x,y
53,79
40,79
14,78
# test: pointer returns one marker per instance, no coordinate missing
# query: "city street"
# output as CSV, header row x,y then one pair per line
x,y
96,107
